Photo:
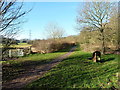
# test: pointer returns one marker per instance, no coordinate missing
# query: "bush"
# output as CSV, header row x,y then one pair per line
x,y
48,46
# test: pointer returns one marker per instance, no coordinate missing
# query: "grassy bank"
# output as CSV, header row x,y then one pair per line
x,y
79,72
21,45
15,68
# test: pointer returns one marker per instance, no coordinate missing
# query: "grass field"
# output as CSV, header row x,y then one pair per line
x,y
79,72
14,68
21,45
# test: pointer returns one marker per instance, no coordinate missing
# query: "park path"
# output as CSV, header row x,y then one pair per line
x,y
35,74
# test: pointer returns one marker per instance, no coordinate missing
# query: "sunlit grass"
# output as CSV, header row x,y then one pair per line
x,y
79,72
21,45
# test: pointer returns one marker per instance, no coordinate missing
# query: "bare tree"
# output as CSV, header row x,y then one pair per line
x,y
96,14
54,31
10,19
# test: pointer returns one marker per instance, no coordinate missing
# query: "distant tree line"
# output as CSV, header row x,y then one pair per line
x,y
10,41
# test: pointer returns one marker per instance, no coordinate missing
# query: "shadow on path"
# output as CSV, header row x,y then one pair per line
x,y
35,73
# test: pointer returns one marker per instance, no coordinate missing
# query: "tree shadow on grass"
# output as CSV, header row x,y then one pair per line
x,y
88,58
78,58
84,56
13,71
106,60
79,76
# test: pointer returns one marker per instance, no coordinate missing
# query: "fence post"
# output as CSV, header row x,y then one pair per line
x,y
10,53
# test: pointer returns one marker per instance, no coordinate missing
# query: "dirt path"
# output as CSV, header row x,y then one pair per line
x,y
36,73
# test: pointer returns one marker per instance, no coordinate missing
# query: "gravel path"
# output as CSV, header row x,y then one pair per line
x,y
34,74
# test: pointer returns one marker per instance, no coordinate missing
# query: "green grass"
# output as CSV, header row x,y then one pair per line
x,y
78,72
14,68
21,45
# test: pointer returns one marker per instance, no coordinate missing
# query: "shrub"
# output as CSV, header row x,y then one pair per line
x,y
51,45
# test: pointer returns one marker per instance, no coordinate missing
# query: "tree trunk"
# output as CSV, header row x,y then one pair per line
x,y
103,42
118,36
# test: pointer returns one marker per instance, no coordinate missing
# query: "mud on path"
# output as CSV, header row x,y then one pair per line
x,y
34,74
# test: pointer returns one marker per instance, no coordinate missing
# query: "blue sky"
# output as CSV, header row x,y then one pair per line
x,y
62,13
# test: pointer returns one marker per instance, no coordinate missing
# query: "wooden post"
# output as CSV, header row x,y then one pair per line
x,y
22,52
29,50
10,53
18,52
